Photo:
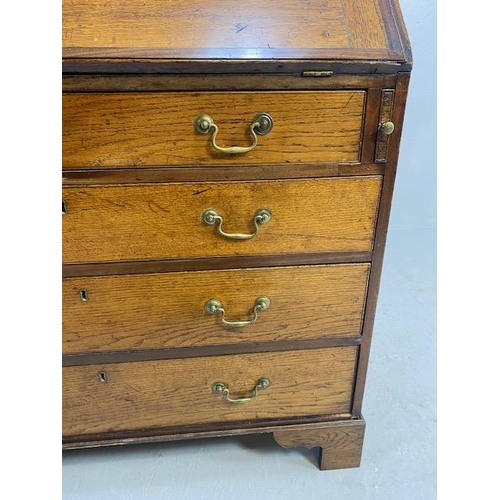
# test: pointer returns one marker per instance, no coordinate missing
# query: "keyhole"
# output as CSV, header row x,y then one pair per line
x,y
103,377
84,295
64,209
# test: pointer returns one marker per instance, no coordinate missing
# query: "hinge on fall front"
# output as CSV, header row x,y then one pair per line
x,y
317,73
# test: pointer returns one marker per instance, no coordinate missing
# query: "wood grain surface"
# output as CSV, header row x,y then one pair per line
x,y
97,358
226,82
200,24
153,311
92,177
233,30
147,222
341,442
383,140
380,238
157,394
105,130
201,431
236,262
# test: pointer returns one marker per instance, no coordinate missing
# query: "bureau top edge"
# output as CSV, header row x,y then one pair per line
x,y
229,36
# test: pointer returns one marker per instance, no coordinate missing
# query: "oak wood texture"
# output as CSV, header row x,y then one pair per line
x,y
371,125
236,262
244,33
129,356
386,105
91,177
103,130
153,311
141,222
114,65
389,178
156,394
194,432
226,82
341,442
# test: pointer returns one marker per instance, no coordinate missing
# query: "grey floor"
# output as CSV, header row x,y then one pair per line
x,y
399,457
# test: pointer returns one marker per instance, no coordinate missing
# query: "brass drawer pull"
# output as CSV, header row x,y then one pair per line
x,y
222,388
262,124
261,304
211,217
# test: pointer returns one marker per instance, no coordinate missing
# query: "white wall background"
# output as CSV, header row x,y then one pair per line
x,y
414,203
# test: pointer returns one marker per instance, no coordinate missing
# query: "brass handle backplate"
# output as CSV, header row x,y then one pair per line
x,y
261,304
222,388
262,124
211,217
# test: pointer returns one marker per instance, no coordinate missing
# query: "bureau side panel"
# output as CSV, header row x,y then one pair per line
x,y
380,238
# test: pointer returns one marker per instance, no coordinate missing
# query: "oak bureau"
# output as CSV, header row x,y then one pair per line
x,y
228,169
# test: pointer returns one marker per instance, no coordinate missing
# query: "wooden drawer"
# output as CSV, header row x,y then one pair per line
x,y
152,311
157,129
162,221
156,394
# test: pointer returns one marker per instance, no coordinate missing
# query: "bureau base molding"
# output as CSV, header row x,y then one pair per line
x,y
341,441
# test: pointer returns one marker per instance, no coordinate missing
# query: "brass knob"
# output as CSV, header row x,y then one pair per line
x,y
387,128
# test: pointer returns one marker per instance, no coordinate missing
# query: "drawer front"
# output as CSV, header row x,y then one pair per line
x,y
155,394
153,311
161,221
157,129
